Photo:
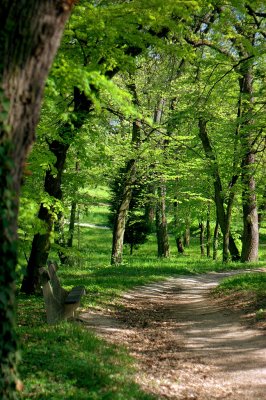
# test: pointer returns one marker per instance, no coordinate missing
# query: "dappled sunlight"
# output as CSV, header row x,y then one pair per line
x,y
175,329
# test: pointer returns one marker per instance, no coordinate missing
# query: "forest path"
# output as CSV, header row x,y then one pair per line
x,y
187,344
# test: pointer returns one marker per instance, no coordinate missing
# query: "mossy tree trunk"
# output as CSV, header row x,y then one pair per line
x,y
30,32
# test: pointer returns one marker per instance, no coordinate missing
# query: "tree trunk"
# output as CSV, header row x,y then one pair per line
x,y
161,224
150,206
250,237
187,234
215,241
202,231
41,242
179,245
121,215
130,177
218,190
228,218
208,233
52,185
30,33
262,209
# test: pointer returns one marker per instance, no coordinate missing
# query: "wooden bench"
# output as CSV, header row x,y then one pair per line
x,y
59,303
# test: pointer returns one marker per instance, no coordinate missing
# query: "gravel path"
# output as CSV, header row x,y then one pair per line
x,y
187,345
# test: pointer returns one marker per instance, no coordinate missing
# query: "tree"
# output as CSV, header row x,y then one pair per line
x,y
127,183
30,33
92,57
240,41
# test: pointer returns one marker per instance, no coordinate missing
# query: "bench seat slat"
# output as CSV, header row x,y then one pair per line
x,y
75,295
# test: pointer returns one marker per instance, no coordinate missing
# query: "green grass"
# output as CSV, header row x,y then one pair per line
x,y
251,285
251,281
68,362
96,215
104,283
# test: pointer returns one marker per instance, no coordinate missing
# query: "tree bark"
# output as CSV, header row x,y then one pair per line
x,y
150,206
129,180
218,196
179,245
41,242
160,213
161,224
226,235
208,232
52,185
250,237
30,33
262,209
187,234
121,214
202,232
215,241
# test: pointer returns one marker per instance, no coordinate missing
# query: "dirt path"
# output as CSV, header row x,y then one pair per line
x,y
187,345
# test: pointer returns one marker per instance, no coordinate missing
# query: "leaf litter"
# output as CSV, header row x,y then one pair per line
x,y
186,343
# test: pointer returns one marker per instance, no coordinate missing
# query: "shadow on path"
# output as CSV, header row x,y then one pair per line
x,y
187,345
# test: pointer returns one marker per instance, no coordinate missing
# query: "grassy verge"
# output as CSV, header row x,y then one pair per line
x,y
249,286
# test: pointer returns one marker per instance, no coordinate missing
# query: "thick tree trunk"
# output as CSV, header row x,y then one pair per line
x,y
41,242
161,224
121,215
129,181
52,185
250,237
218,190
30,33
